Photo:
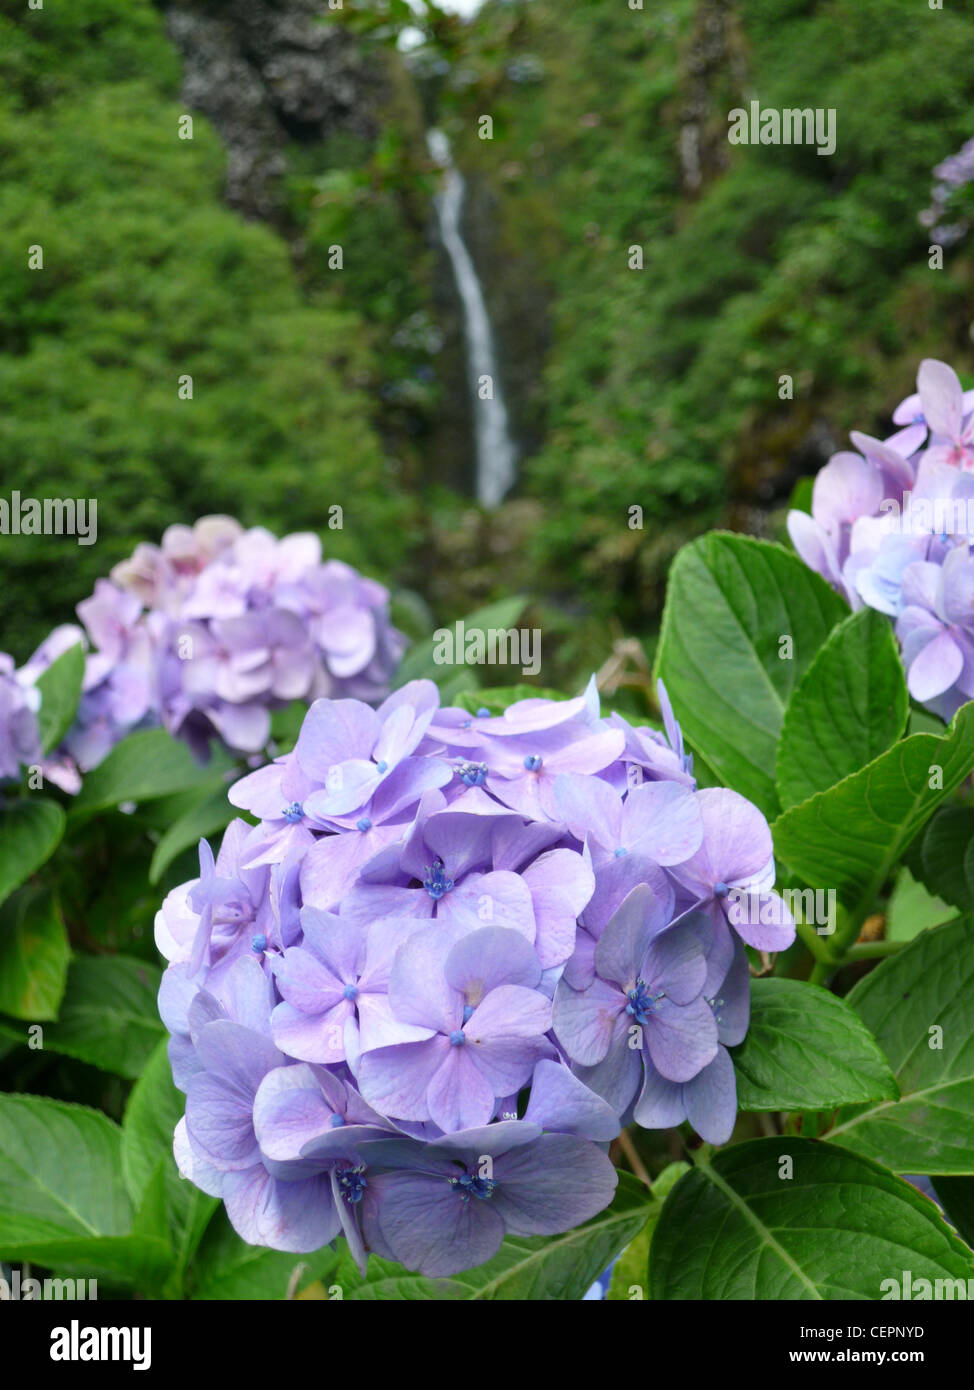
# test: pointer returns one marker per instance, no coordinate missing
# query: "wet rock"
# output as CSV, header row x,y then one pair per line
x,y
267,72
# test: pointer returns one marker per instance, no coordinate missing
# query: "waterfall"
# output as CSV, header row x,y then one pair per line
x,y
496,454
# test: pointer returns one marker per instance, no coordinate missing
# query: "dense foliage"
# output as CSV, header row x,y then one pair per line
x,y
147,278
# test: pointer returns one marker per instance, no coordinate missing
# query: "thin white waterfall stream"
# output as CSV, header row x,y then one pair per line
x,y
495,450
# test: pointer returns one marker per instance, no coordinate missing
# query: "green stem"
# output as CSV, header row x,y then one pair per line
x,y
701,1155
821,971
860,950
842,946
851,920
822,953
870,950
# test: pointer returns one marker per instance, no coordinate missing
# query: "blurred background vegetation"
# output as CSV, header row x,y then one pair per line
x,y
314,386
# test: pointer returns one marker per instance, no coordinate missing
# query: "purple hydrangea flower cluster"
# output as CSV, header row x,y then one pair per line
x,y
19,738
892,526
210,631
954,173
457,953
116,695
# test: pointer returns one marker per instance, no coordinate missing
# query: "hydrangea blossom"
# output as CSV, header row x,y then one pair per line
x,y
416,1002
952,175
210,631
19,739
892,527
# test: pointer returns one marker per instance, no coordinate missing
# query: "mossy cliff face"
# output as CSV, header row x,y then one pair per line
x,y
265,74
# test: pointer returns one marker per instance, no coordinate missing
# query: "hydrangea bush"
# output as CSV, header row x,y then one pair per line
x,y
209,632
501,993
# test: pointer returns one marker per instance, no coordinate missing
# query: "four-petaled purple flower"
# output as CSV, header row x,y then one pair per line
x,y
475,997
645,1004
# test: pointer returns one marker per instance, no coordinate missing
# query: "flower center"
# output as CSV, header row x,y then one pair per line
x,y
350,992
435,881
472,774
468,1186
641,1001
533,762
293,813
352,1184
720,889
458,1038
363,824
